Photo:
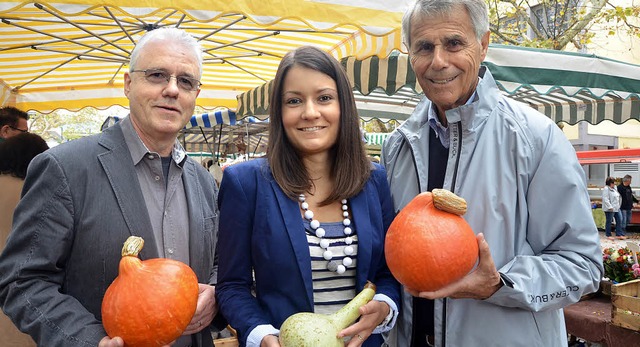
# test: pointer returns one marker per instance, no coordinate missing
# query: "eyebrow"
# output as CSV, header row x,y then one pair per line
x,y
167,71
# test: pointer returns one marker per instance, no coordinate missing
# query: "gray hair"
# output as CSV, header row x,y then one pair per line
x,y
626,178
477,10
170,34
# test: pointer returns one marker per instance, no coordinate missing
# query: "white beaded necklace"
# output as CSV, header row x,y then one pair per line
x,y
332,265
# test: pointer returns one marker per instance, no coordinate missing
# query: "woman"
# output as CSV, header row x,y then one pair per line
x,y
611,202
310,219
16,153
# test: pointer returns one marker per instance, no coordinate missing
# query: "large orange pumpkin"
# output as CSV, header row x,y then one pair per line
x,y
151,302
428,248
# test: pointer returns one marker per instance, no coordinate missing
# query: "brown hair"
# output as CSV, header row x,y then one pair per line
x,y
350,167
17,152
9,116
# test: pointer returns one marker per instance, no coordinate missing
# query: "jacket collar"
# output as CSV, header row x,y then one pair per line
x,y
116,162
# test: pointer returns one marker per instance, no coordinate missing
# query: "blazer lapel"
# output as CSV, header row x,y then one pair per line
x,y
295,229
116,162
362,222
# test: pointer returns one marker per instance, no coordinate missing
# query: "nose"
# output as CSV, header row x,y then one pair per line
x,y
171,88
439,60
310,110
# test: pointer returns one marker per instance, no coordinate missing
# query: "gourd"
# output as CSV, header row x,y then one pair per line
x,y
151,302
306,329
429,245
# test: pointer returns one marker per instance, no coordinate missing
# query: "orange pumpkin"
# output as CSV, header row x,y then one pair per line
x,y
428,248
151,302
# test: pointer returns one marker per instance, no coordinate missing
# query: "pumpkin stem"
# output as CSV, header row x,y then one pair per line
x,y
132,246
445,200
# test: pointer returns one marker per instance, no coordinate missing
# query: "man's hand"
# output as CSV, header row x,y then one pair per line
x,y
115,342
206,309
479,284
109,342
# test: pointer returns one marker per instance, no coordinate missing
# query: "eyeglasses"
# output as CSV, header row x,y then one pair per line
x,y
18,129
155,76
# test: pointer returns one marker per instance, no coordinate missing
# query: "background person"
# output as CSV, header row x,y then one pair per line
x,y
611,202
12,122
628,199
315,164
539,248
84,198
15,155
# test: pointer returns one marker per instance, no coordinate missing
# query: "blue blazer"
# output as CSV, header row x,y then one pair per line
x,y
262,232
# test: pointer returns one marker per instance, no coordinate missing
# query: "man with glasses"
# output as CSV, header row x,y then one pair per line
x,y
84,198
12,122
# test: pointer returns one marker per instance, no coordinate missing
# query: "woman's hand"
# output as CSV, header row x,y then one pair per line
x,y
372,314
270,341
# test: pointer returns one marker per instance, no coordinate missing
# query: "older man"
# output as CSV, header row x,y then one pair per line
x,y
82,200
12,122
526,195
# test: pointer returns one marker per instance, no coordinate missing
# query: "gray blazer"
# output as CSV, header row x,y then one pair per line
x,y
81,200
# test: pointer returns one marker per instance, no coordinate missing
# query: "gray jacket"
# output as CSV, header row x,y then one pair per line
x,y
81,201
527,193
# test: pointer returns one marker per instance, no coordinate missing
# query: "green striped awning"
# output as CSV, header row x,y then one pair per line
x,y
568,87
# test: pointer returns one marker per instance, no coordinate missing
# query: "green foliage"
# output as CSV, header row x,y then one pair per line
x,y
554,24
62,125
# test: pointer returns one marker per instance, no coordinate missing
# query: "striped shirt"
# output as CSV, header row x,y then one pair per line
x,y
331,291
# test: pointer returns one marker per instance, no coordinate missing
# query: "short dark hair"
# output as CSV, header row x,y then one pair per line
x,y
9,115
609,181
17,152
350,167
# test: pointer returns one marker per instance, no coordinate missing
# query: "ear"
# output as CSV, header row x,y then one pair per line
x,y
484,42
127,84
3,130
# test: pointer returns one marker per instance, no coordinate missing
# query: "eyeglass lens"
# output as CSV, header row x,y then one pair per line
x,y
159,76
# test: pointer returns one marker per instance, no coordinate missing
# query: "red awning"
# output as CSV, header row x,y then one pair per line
x,y
588,161
609,156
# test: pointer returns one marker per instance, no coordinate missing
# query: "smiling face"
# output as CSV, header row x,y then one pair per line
x,y
159,111
446,55
310,110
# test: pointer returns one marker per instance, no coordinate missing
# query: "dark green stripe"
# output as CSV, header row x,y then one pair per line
x,y
562,78
373,73
391,83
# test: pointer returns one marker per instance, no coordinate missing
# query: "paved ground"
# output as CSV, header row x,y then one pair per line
x,y
631,237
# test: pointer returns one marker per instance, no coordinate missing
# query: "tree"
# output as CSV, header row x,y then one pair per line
x,y
62,125
554,24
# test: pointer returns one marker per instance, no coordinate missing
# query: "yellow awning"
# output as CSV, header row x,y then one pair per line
x,y
72,53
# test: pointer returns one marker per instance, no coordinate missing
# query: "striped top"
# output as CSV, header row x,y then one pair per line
x,y
331,291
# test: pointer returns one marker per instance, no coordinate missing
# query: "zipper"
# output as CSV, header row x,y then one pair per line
x,y
415,165
457,146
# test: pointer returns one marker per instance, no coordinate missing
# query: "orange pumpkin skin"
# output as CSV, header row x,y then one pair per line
x,y
426,248
151,302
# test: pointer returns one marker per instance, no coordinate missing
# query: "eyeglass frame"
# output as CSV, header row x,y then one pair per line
x,y
18,129
168,76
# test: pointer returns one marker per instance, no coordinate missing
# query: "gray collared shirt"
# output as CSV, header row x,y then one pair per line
x,y
166,200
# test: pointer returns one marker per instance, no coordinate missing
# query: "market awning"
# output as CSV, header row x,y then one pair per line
x,y
568,87
609,156
219,132
72,53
